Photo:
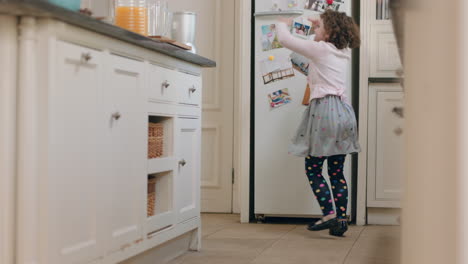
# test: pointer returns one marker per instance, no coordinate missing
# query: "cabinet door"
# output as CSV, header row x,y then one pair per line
x,y
384,57
126,150
188,176
74,199
385,160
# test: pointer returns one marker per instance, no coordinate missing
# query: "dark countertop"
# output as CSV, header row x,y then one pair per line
x,y
44,9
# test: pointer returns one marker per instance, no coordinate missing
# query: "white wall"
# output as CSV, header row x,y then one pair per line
x,y
100,8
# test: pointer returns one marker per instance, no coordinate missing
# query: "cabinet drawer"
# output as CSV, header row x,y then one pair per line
x,y
163,83
384,57
190,89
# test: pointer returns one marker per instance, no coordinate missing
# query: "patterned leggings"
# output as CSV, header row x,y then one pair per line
x,y
320,187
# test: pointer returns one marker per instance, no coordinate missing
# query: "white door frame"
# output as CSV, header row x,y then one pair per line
x,y
361,206
242,109
8,94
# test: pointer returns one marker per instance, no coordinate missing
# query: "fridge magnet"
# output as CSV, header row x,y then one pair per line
x,y
276,68
279,98
300,63
302,28
269,38
282,5
293,4
322,5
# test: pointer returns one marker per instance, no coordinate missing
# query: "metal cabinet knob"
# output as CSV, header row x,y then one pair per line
x,y
116,116
398,131
398,111
85,57
192,89
165,84
182,162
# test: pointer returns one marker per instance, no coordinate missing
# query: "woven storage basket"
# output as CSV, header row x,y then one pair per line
x,y
155,140
151,197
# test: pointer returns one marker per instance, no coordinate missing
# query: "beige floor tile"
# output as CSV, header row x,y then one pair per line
x,y
225,251
252,231
236,244
212,223
219,219
219,257
370,260
301,233
378,245
226,241
315,250
377,231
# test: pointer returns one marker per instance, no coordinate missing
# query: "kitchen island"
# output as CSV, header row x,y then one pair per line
x,y
79,181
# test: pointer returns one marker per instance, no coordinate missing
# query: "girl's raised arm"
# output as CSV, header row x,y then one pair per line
x,y
308,48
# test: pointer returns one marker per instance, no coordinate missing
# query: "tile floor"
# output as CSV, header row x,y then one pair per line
x,y
227,241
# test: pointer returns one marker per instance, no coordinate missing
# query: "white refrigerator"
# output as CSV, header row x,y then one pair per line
x,y
281,188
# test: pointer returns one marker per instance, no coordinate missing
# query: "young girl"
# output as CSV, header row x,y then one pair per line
x,y
328,128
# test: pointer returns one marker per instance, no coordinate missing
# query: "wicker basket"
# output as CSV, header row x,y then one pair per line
x,y
155,140
151,197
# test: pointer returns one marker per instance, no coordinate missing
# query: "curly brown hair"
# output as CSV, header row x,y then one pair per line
x,y
341,29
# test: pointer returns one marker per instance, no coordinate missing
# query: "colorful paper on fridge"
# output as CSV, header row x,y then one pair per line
x,y
279,98
269,38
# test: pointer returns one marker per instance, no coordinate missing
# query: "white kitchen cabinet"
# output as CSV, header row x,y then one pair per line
x,y
188,176
385,139
163,84
75,177
190,90
125,150
95,99
381,132
98,158
384,58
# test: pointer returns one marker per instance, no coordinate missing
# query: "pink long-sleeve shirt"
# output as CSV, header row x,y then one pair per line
x,y
328,66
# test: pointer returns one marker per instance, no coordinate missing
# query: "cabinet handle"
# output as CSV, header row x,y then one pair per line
x,y
85,57
398,111
165,84
182,162
398,131
116,116
192,89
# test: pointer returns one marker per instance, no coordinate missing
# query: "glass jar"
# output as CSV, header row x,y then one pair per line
x,y
159,19
132,15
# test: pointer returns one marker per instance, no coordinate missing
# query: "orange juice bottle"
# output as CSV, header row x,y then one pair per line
x,y
132,15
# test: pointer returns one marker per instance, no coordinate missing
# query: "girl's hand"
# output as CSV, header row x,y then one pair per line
x,y
315,21
287,20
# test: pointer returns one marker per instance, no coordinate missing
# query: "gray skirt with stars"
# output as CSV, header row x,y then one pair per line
x,y
328,127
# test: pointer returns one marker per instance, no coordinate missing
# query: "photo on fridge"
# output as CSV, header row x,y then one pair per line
x,y
276,68
300,63
302,28
322,5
